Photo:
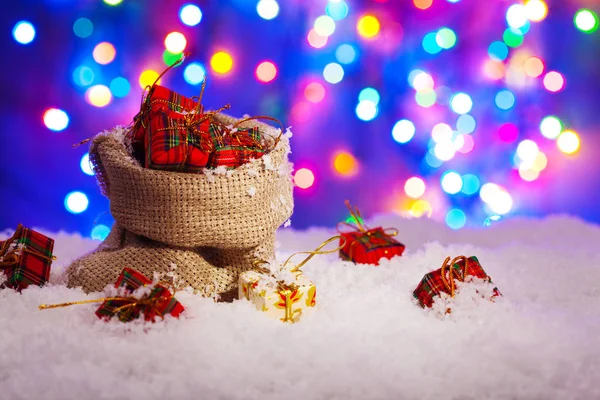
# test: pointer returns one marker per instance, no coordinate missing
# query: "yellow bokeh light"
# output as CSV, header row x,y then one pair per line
x,y
536,10
534,67
345,164
568,142
414,187
423,4
98,96
420,208
148,77
104,53
368,26
221,62
540,163
175,42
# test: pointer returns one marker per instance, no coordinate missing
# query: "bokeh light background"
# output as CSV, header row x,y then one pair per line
x,y
464,111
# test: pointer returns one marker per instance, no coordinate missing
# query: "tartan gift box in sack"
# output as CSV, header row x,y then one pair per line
x,y
368,246
281,292
236,146
26,258
443,280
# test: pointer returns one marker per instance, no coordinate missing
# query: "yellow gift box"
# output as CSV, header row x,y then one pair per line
x,y
280,291
278,299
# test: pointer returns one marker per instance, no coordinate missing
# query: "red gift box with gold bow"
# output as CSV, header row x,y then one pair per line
x,y
368,246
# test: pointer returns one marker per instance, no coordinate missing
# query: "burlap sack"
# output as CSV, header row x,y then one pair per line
x,y
211,226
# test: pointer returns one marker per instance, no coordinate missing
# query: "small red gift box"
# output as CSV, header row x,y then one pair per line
x,y
26,258
442,280
157,302
234,148
368,246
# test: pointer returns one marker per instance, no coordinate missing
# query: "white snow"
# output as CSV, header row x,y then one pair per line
x,y
366,339
251,191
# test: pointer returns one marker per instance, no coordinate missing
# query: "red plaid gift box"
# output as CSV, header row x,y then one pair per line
x,y
234,148
442,280
368,246
26,258
178,141
158,302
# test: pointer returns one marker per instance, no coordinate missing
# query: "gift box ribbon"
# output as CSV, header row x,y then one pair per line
x,y
287,291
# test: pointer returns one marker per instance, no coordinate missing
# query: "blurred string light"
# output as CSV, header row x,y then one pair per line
x,y
370,94
98,96
120,87
551,127
445,38
508,132
451,182
100,232
366,110
527,150
496,198
266,71
568,142
337,9
190,14
423,4
194,73
441,132
554,81
470,184
55,119
171,58
314,92
324,25
83,76
221,62
432,160
368,26
113,2
403,131
315,40
426,98
420,80
304,178
456,218
516,16
465,123
492,219
461,103
498,51
494,70
345,164
536,10
147,78
505,100
345,53
267,9
430,44
513,37
414,187
421,207
468,144
23,32
104,53
86,165
444,150
586,20
175,42
83,27
76,202
333,73
534,67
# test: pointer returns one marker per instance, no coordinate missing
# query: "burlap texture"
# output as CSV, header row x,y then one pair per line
x,y
210,226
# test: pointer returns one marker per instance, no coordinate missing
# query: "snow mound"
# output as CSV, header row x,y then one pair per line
x,y
366,339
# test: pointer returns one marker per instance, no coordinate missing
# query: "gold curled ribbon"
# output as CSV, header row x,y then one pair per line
x,y
12,256
449,283
132,302
313,253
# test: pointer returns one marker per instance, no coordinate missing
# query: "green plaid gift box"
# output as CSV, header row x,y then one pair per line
x,y
158,302
26,258
235,148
